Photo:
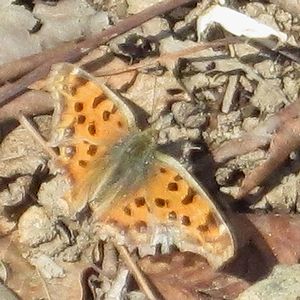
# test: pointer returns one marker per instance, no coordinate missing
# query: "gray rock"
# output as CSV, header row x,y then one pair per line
x,y
188,114
79,19
20,153
15,192
16,40
282,283
48,268
35,227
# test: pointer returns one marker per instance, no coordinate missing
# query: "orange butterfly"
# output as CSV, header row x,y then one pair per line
x,y
140,196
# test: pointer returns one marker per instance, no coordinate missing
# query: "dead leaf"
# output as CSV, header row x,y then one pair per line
x,y
28,283
188,276
264,241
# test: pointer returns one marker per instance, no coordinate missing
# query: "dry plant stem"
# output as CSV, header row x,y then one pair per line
x,y
31,103
34,103
44,285
23,65
136,272
259,137
286,140
76,52
163,59
281,131
36,135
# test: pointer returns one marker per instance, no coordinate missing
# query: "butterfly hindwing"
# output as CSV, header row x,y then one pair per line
x,y
171,203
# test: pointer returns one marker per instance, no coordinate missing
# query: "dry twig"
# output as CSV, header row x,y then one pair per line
x,y
35,134
34,103
23,65
31,103
136,272
259,137
286,140
169,57
75,52
281,131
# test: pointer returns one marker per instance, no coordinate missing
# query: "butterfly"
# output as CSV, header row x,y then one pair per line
x,y
139,196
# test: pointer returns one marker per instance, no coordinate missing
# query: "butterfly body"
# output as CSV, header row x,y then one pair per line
x,y
126,167
139,196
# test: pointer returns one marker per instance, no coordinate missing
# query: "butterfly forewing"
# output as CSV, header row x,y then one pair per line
x,y
88,120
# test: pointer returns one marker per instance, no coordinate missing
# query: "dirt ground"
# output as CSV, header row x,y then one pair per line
x,y
225,106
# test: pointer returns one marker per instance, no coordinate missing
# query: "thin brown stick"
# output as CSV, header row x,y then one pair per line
x,y
34,103
31,103
76,52
259,136
136,272
36,135
17,68
163,59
